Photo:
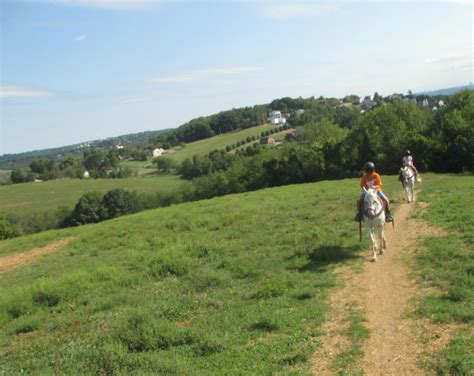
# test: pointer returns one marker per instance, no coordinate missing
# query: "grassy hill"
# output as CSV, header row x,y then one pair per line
x,y
39,197
228,285
203,147
232,285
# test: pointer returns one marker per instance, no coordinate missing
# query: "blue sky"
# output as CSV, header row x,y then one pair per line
x,y
78,70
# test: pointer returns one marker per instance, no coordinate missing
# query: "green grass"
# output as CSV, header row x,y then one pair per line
x,y
232,285
29,198
447,263
207,145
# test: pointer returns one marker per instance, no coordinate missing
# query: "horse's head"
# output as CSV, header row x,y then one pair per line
x,y
372,204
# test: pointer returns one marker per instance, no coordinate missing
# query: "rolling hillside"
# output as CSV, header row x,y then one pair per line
x,y
207,145
232,285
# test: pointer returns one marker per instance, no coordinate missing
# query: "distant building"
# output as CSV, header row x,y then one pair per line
x,y
266,140
368,103
441,103
276,118
300,112
86,175
119,146
158,152
435,108
425,103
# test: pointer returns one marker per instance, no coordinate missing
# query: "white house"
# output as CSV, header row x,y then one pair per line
x,y
425,103
276,118
158,152
86,175
441,103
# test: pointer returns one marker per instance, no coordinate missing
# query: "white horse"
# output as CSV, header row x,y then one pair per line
x,y
408,181
374,218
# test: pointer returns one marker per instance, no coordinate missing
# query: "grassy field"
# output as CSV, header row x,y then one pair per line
x,y
39,197
232,285
207,145
447,263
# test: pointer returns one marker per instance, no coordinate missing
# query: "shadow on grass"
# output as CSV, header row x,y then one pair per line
x,y
320,257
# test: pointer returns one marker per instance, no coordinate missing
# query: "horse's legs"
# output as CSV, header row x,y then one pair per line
x,y
373,242
412,189
383,241
407,191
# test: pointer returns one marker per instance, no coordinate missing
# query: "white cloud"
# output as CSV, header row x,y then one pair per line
x,y
296,10
80,38
206,74
104,4
8,91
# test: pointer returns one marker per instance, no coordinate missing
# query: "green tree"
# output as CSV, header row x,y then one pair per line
x,y
116,203
7,230
21,175
88,209
165,165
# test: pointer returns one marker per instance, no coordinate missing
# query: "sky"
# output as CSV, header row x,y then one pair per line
x,y
80,70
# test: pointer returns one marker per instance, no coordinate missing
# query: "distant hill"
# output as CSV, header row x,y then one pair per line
x,y
447,91
22,159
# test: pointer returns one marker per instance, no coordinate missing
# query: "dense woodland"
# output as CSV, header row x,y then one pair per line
x,y
331,141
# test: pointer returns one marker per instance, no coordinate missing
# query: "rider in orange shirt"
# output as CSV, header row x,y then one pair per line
x,y
372,179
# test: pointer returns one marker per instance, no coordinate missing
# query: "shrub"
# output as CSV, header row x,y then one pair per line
x,y
117,202
7,229
88,209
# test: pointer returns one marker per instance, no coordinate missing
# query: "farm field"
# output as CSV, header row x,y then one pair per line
x,y
28,198
205,146
232,285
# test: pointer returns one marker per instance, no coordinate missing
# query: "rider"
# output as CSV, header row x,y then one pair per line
x,y
372,179
408,162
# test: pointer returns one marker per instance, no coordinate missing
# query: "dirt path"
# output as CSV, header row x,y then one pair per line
x,y
12,261
382,292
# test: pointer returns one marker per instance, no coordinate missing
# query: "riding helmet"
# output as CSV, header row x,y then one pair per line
x,y
407,152
369,167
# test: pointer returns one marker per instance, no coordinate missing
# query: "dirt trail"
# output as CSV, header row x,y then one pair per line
x,y
382,292
12,261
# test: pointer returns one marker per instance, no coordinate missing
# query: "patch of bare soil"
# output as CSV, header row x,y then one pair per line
x,y
384,292
12,261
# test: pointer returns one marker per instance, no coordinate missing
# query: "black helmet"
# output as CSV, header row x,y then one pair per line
x,y
407,152
369,167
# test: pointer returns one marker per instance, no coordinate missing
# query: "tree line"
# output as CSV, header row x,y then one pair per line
x,y
325,146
